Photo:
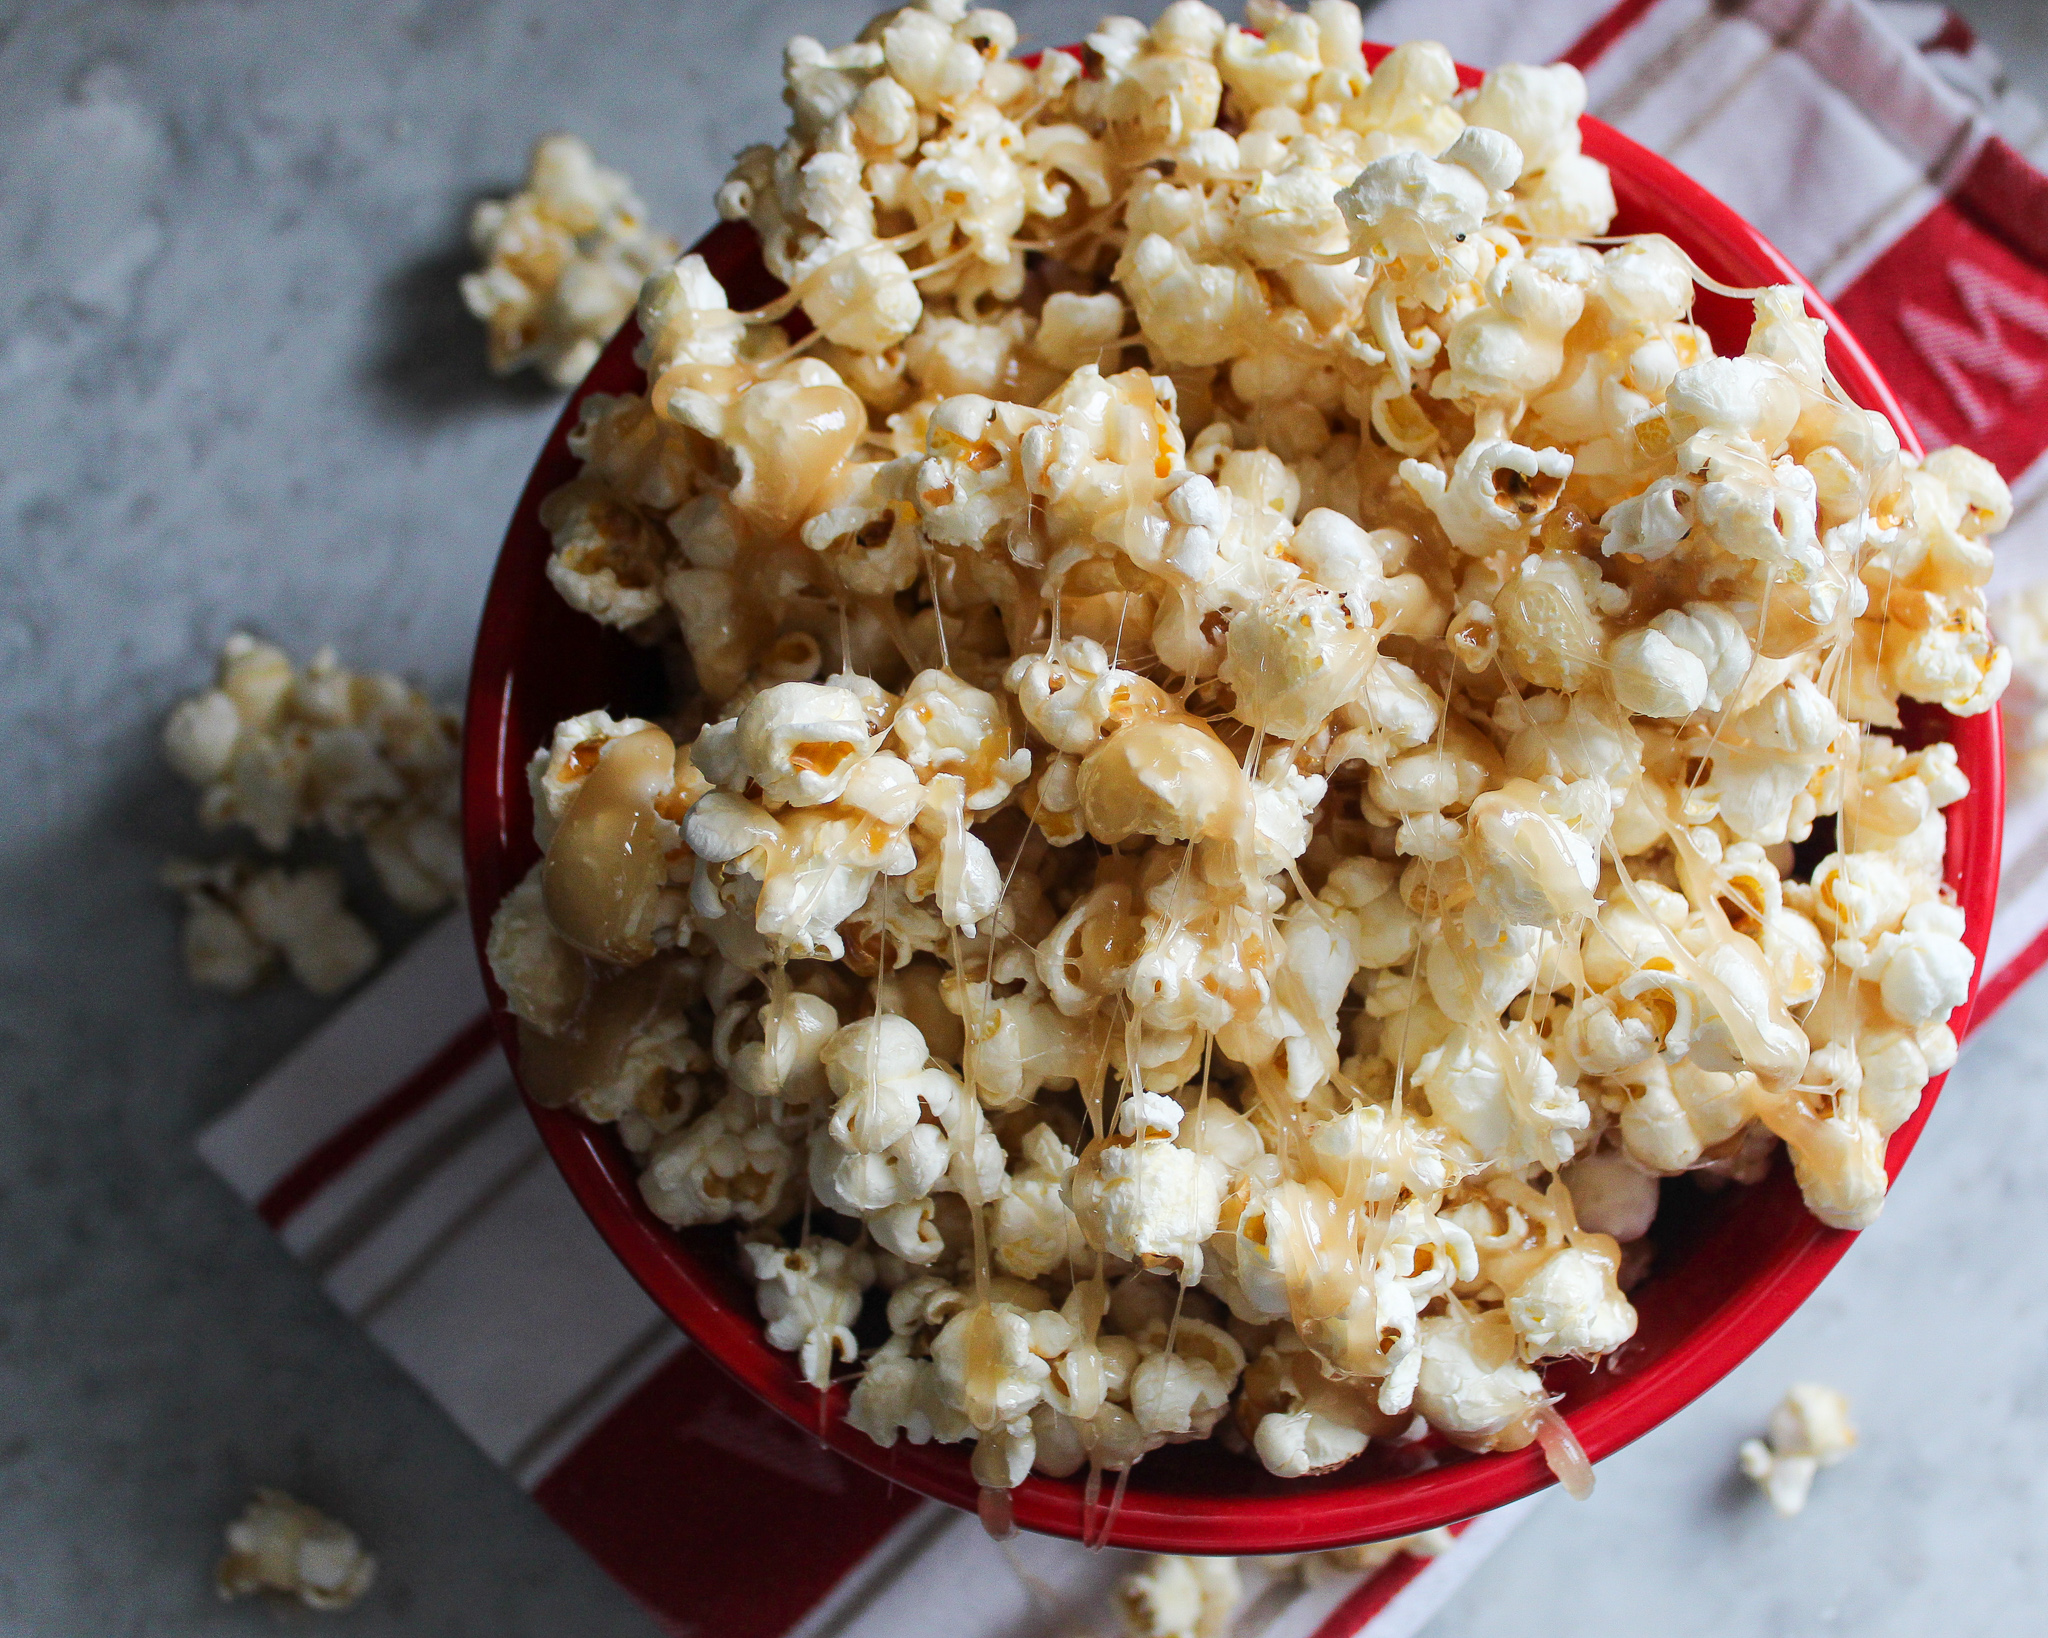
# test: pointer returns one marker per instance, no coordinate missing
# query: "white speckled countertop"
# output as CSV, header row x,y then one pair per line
x,y
237,386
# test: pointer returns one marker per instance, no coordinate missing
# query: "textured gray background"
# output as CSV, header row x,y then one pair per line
x,y
236,386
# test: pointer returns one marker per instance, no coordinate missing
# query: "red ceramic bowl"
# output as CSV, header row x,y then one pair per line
x,y
1729,1268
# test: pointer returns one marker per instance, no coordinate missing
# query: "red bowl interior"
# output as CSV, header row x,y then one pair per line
x,y
1730,1266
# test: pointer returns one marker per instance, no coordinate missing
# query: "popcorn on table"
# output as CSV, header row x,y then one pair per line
x,y
563,259
1256,695
1174,1596
277,751
280,1545
1810,1430
240,922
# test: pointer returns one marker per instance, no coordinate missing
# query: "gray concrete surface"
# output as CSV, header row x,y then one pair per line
x,y
236,387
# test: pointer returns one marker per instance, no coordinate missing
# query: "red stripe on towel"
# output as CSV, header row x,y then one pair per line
x,y
1591,46
724,1519
282,1200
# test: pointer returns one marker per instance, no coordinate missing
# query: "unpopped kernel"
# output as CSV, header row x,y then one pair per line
x,y
1257,691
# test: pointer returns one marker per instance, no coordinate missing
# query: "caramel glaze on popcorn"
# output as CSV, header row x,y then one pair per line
x,y
1437,649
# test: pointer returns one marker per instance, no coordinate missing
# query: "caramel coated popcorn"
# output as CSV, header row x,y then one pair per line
x,y
280,1545
563,259
1256,694
278,751
241,921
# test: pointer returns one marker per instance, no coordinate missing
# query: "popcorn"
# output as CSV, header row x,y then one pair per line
x,y
810,1298
278,750
1301,1419
800,743
241,920
1240,880
1183,1391
279,1545
1501,1094
1140,1196
1471,1387
1538,108
734,1161
563,262
1571,1306
1493,495
1612,1195
1178,1597
1926,968
944,726
1034,1230
1810,1430
606,879
787,1062
2021,621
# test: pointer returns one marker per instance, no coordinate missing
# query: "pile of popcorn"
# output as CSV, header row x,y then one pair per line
x,y
563,260
1254,694
278,751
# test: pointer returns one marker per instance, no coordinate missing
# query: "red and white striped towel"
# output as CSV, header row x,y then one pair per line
x,y
1878,145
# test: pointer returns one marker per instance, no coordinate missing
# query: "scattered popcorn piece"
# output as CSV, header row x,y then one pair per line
x,y
1809,1431
278,750
1179,1597
564,259
241,919
279,1545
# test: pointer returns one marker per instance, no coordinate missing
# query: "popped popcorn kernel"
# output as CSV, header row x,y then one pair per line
x,y
280,1545
1255,687
1810,1430
563,259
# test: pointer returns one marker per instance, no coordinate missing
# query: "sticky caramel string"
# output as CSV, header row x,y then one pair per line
x,y
1700,277
1568,941
1109,1513
1748,1039
1703,758
1838,674
782,306
1110,211
796,349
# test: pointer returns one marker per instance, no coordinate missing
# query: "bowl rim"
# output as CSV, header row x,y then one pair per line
x,y
1330,1514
